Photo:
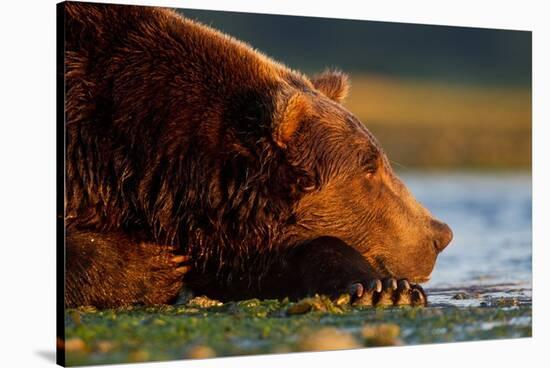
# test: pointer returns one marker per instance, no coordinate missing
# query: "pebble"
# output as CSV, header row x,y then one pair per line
x,y
386,334
138,356
74,344
317,303
461,296
87,309
301,307
507,302
200,352
343,299
105,346
204,302
464,295
327,338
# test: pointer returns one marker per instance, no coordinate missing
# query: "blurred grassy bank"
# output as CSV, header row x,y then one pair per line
x,y
431,124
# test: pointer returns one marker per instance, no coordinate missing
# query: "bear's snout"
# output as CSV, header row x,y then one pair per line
x,y
442,235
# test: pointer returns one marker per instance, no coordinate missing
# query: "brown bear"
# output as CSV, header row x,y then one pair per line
x,y
194,161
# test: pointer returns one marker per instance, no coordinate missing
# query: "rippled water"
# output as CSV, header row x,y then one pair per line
x,y
491,218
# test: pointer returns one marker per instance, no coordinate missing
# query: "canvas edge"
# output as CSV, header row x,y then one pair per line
x,y
60,183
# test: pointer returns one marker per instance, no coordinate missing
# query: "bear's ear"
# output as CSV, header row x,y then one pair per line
x,y
292,111
333,84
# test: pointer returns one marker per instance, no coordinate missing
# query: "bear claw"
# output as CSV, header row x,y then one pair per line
x,y
403,285
183,269
181,263
418,296
375,285
180,259
356,290
390,283
388,292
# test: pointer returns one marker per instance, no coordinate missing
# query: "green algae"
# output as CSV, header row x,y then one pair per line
x,y
205,328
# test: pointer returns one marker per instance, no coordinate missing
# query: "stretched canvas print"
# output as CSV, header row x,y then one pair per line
x,y
235,184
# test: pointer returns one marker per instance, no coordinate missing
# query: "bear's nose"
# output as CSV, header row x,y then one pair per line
x,y
442,235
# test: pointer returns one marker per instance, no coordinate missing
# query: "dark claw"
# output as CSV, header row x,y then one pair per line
x,y
183,269
403,285
418,296
357,290
387,293
403,298
390,284
368,294
375,285
367,299
403,293
180,259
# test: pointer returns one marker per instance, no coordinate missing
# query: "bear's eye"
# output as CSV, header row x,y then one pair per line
x,y
370,171
369,166
307,184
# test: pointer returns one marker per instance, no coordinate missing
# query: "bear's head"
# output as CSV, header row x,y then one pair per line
x,y
348,188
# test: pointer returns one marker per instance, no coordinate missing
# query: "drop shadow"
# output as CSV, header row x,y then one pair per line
x,y
47,355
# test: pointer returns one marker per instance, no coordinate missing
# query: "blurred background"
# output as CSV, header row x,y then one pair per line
x,y
436,97
452,108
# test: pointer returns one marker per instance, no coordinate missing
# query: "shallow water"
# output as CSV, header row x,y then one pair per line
x,y
490,255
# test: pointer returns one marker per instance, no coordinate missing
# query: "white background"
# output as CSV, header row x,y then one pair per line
x,y
27,180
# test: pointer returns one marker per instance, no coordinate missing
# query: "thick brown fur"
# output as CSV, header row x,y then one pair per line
x,y
182,140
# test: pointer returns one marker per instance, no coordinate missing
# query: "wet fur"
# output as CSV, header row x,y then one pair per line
x,y
167,151
182,140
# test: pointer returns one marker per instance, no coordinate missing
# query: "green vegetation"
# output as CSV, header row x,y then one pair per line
x,y
202,329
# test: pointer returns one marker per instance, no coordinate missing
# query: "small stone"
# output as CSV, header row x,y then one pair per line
x,y
317,303
386,334
343,299
507,302
200,352
461,296
138,356
327,339
204,302
87,309
75,344
301,307
105,346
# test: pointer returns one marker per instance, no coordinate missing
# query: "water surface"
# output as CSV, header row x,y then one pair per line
x,y
490,255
